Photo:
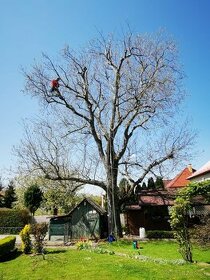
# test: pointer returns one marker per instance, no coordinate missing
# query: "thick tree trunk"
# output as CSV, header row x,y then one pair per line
x,y
114,224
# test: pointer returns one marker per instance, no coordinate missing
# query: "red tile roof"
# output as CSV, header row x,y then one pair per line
x,y
181,180
156,197
203,170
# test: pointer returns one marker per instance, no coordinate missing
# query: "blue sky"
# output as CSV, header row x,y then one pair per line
x,y
30,27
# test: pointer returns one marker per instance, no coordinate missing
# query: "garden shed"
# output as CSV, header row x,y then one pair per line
x,y
86,220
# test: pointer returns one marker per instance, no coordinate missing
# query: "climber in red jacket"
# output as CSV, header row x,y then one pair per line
x,y
54,85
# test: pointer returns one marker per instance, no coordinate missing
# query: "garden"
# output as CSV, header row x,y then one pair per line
x,y
86,260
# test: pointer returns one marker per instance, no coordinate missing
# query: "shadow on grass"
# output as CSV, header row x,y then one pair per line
x,y
55,252
11,256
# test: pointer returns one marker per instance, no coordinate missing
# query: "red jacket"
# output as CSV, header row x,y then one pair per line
x,y
54,83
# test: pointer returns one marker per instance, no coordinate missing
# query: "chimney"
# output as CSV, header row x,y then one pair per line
x,y
190,167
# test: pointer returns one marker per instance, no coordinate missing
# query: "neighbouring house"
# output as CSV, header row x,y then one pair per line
x,y
87,220
152,210
201,174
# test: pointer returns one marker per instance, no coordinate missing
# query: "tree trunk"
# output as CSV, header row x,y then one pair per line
x,y
114,224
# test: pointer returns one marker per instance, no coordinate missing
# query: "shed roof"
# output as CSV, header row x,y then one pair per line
x,y
95,205
156,198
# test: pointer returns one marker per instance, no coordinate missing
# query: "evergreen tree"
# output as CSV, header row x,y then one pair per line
x,y
138,189
151,183
1,196
10,195
33,198
144,186
159,183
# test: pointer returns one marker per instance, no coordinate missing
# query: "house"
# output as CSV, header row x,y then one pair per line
x,y
152,211
86,220
201,174
181,180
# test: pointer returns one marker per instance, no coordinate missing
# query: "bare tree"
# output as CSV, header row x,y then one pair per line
x,y
114,105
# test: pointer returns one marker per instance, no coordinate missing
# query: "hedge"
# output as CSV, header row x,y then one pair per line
x,y
159,234
7,245
12,221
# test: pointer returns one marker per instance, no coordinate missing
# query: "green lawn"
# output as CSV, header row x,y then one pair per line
x,y
73,264
155,249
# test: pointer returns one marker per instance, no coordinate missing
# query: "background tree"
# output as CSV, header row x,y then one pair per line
x,y
144,186
114,96
151,184
1,195
56,195
159,183
59,198
33,198
10,195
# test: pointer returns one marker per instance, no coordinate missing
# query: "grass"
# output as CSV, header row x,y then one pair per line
x,y
72,264
157,249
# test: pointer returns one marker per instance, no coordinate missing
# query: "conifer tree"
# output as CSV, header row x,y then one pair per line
x,y
10,195
151,183
159,183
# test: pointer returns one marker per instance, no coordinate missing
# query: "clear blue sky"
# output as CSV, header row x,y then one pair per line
x,y
30,27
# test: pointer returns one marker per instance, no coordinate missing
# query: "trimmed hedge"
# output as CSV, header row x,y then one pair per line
x,y
7,245
159,234
12,221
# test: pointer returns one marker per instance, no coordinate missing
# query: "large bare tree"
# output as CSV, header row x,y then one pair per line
x,y
111,114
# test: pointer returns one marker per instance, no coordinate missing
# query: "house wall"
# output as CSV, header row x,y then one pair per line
x,y
200,178
149,217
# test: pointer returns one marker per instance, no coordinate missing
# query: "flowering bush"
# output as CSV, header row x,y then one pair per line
x,y
26,244
84,244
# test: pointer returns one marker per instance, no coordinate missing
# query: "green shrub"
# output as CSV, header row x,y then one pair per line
x,y
26,244
12,220
39,232
7,245
159,234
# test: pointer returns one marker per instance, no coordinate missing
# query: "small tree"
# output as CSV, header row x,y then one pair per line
x,y
39,232
179,214
33,198
10,195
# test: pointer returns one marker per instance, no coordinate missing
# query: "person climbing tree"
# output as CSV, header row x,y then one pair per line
x,y
54,85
